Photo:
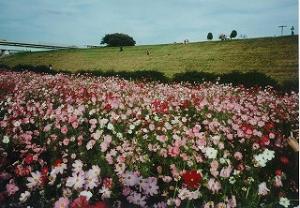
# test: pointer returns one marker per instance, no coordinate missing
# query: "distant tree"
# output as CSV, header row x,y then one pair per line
x,y
233,34
222,36
210,36
292,30
118,39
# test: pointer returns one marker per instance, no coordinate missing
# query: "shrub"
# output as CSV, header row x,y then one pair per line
x,y
291,85
194,77
248,79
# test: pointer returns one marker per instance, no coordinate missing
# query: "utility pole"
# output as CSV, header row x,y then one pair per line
x,y
282,26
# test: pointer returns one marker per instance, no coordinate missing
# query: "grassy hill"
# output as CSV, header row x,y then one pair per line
x,y
276,56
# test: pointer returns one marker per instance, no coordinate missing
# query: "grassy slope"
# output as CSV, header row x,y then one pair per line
x,y
277,57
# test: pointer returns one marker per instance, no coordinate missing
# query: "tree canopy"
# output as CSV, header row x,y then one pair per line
x,y
118,39
233,34
210,36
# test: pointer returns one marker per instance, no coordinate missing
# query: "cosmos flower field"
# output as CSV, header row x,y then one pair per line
x,y
80,141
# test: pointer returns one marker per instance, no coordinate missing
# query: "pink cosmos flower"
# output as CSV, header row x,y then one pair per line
x,y
64,129
214,185
62,202
173,151
66,141
11,188
238,155
262,189
225,172
278,181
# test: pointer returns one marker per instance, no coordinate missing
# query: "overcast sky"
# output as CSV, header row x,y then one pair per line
x,y
84,22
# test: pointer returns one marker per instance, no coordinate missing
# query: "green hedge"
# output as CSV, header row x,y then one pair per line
x,y
247,79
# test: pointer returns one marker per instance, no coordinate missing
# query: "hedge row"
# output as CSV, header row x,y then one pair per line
x,y
247,79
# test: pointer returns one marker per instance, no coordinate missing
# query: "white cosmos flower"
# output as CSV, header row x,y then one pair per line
x,y
24,196
264,157
76,180
96,170
284,202
59,169
35,180
92,180
87,194
105,192
5,140
110,126
77,166
211,153
268,154
260,160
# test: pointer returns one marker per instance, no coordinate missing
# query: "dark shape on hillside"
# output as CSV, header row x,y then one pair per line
x,y
148,52
233,34
210,36
121,49
118,40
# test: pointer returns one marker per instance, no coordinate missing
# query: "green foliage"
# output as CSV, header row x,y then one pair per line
x,y
118,39
233,34
194,77
247,79
210,36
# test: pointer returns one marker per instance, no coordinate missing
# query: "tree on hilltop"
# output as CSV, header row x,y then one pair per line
x,y
118,39
210,36
233,34
222,36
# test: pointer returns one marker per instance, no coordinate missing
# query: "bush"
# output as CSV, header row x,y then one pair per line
x,y
147,75
248,79
292,85
118,39
194,77
37,69
4,66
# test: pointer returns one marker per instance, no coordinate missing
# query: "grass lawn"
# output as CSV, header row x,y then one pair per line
x,y
277,57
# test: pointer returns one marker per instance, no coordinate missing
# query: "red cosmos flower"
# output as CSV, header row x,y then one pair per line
x,y
268,126
247,129
160,106
278,172
22,171
28,159
284,160
192,179
44,171
80,202
108,183
99,204
185,103
107,107
44,180
264,141
57,162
